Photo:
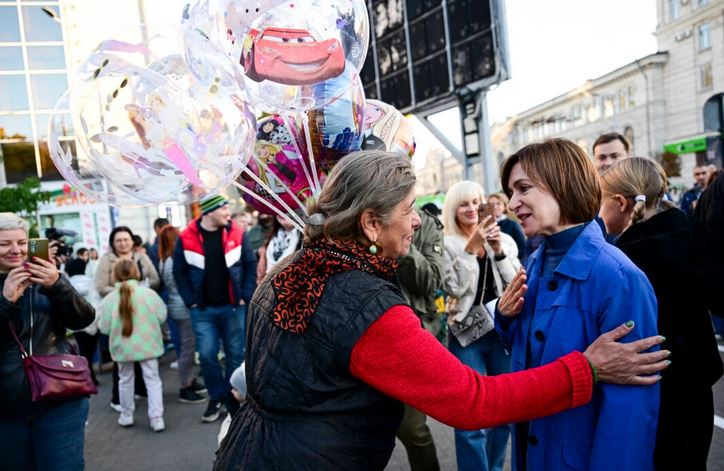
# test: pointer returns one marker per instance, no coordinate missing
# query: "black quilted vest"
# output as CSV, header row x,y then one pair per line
x,y
304,410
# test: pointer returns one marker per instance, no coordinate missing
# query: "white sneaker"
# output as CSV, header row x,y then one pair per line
x,y
157,424
125,420
116,407
174,365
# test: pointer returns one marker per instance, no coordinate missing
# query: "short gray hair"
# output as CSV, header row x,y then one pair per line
x,y
365,180
9,222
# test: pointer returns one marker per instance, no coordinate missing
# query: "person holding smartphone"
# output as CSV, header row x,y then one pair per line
x,y
37,302
479,261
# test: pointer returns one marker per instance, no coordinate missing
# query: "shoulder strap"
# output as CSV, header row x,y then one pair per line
x,y
23,353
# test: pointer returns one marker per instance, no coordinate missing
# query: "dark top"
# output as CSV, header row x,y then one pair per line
x,y
557,246
216,274
304,410
489,280
54,310
513,229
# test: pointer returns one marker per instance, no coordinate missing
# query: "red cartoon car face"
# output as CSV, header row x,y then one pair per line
x,y
291,57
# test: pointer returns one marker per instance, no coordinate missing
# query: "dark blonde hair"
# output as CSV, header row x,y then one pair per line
x,y
364,180
125,270
563,169
637,176
167,237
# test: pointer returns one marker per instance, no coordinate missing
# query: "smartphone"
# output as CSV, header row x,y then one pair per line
x,y
487,209
38,248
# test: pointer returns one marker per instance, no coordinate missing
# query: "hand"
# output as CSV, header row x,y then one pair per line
x,y
623,363
53,252
477,239
43,272
493,237
15,284
511,301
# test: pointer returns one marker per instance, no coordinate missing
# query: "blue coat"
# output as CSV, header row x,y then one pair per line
x,y
593,290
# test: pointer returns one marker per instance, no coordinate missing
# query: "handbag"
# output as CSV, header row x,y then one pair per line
x,y
54,377
478,322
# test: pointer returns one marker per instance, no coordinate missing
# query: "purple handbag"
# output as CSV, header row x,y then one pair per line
x,y
54,377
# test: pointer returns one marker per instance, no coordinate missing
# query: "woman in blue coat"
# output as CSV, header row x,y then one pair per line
x,y
577,287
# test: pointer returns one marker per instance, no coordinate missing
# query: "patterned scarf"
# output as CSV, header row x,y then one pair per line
x,y
300,285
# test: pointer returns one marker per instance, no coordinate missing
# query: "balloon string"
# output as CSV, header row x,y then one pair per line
x,y
305,124
279,181
287,123
273,194
267,204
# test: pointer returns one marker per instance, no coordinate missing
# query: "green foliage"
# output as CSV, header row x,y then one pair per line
x,y
24,198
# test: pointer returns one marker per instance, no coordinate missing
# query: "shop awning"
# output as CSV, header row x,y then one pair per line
x,y
691,144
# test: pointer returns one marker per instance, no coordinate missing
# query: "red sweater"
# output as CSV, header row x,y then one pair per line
x,y
402,360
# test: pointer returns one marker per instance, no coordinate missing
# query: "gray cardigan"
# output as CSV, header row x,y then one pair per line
x,y
460,280
177,309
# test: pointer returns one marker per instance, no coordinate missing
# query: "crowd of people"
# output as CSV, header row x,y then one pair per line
x,y
559,292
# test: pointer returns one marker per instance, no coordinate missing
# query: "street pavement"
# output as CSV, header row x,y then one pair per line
x,y
189,444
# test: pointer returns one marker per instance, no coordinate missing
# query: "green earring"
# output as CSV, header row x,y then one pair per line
x,y
373,249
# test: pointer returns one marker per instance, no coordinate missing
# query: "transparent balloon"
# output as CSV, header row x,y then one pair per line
x,y
77,168
286,47
153,129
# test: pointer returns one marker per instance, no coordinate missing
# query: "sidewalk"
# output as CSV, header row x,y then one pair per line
x,y
189,444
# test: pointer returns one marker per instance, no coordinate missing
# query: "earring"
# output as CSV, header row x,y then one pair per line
x,y
372,248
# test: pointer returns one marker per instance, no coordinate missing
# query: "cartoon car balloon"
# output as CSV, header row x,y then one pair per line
x,y
284,47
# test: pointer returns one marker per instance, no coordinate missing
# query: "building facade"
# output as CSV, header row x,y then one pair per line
x,y
42,43
667,102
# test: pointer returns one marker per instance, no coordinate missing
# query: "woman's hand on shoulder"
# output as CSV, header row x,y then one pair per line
x,y
511,301
624,363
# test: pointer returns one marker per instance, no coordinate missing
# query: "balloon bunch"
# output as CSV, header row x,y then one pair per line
x,y
173,117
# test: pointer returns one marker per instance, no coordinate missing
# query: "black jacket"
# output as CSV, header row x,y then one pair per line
x,y
54,310
664,247
304,410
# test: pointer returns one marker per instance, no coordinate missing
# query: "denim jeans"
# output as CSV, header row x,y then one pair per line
x,y
212,325
52,440
482,450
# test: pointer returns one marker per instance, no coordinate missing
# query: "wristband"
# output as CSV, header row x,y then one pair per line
x,y
594,371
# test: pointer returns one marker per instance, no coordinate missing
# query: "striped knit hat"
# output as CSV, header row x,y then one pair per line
x,y
211,204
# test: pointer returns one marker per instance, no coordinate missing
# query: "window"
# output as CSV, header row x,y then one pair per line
x,y
14,96
46,57
40,26
674,9
11,58
9,26
15,127
703,2
47,89
628,133
706,76
704,38
19,160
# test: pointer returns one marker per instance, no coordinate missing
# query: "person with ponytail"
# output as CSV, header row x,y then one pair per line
x,y
131,315
660,239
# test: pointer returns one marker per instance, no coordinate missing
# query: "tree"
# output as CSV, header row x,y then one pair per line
x,y
24,198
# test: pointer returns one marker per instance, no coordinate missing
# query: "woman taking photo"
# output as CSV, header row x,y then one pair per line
x,y
579,287
504,218
661,241
120,242
41,304
479,261
333,350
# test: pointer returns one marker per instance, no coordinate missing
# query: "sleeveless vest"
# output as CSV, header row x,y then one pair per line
x,y
304,410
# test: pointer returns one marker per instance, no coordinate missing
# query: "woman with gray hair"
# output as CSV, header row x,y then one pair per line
x,y
39,305
333,350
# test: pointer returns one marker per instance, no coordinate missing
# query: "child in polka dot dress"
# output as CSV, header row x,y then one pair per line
x,y
132,316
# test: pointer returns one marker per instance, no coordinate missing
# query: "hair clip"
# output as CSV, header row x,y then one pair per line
x,y
316,219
